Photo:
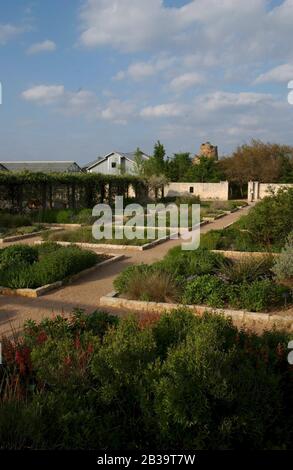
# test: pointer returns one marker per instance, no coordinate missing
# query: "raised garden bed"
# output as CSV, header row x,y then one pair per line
x,y
239,317
84,238
32,271
13,236
209,279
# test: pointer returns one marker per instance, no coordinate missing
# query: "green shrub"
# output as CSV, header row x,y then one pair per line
x,y
210,240
55,265
190,263
155,286
16,254
126,277
14,220
184,382
283,267
84,216
207,290
61,264
246,269
213,394
47,248
257,296
64,216
271,220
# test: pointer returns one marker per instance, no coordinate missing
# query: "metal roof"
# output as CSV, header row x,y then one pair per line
x,y
43,166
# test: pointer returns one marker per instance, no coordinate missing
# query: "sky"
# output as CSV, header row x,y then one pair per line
x,y
82,78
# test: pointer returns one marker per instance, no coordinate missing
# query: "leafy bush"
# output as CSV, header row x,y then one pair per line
x,y
14,220
207,290
84,216
50,265
15,254
271,220
191,263
184,382
283,267
232,238
64,216
61,264
257,296
47,248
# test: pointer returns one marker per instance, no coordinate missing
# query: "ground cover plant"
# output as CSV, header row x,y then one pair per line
x,y
206,278
169,382
23,266
84,235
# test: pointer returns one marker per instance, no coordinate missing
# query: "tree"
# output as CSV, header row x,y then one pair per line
x,y
259,161
139,163
178,166
157,161
206,170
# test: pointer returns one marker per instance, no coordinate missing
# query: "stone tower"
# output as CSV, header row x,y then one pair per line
x,y
206,150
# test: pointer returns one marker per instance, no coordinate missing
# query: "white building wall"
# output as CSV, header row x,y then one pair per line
x,y
257,191
205,191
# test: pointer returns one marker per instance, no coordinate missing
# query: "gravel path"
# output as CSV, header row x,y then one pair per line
x,y
85,293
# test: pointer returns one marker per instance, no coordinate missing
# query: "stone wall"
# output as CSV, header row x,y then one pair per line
x,y
212,191
257,191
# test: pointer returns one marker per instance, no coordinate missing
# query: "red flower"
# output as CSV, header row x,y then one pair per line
x,y
42,337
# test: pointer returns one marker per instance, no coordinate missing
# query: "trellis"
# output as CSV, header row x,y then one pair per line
x,y
23,191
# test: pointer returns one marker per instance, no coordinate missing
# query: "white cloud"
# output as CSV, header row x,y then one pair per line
x,y
282,73
44,94
142,70
45,46
127,25
220,100
9,32
80,103
186,80
118,111
163,110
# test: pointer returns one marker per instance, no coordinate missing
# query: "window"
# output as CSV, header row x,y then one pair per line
x,y
113,164
191,189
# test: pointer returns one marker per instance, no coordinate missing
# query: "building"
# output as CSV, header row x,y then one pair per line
x,y
42,166
206,150
114,163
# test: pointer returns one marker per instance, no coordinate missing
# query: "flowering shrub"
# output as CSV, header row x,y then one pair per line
x,y
173,382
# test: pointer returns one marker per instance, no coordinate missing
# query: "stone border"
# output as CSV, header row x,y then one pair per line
x,y
33,293
242,316
243,254
15,238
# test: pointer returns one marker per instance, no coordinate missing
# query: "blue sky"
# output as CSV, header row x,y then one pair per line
x,y
84,77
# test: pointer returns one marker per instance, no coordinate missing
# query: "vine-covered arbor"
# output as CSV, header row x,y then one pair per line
x,y
21,192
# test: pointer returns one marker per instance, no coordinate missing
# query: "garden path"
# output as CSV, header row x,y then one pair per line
x,y
85,293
